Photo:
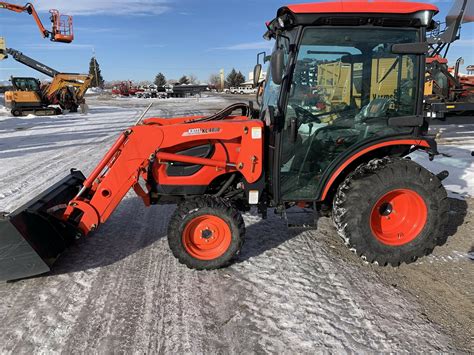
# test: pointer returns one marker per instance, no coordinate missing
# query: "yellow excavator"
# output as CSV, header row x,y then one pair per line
x,y
66,90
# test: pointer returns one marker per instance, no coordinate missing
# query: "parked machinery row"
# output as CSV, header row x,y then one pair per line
x,y
127,88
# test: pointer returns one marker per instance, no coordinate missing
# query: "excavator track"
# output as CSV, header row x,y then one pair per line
x,y
48,111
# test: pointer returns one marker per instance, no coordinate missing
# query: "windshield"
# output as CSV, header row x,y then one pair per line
x,y
349,71
25,84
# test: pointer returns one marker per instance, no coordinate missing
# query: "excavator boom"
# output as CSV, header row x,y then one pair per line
x,y
30,62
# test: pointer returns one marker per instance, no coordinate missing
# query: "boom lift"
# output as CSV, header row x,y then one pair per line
x,y
66,89
61,30
312,142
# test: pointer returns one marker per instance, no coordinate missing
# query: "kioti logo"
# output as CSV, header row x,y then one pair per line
x,y
200,131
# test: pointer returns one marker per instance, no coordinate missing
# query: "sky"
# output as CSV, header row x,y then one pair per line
x,y
136,39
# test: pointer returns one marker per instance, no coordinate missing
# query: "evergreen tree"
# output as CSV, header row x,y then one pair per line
x,y
160,80
235,78
183,80
94,70
239,79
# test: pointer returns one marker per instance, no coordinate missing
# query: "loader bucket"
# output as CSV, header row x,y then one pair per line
x,y
31,237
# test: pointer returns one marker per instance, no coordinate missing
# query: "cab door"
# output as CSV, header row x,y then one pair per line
x,y
345,86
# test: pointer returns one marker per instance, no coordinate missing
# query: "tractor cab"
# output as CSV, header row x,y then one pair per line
x,y
342,76
26,84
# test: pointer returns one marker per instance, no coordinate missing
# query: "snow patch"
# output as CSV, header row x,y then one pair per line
x,y
4,112
458,161
454,257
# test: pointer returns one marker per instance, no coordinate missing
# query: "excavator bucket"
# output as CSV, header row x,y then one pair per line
x,y
31,237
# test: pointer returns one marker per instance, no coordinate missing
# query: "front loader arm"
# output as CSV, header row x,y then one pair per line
x,y
129,158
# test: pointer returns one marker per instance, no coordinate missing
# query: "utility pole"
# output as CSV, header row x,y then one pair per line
x,y
95,68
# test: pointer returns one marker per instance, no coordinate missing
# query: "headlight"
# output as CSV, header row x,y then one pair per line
x,y
281,22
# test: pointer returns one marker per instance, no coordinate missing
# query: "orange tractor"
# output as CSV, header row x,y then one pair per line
x,y
341,155
61,31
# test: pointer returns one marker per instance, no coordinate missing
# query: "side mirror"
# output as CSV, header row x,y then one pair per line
x,y
277,65
410,48
257,71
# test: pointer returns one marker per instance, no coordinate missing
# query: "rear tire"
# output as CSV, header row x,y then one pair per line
x,y
391,211
16,112
205,233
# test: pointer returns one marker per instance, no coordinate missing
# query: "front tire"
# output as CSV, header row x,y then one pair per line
x,y
391,211
205,233
16,112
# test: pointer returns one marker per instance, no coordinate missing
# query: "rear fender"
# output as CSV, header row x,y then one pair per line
x,y
345,166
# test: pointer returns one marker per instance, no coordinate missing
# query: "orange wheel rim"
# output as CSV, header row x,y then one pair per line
x,y
398,217
207,237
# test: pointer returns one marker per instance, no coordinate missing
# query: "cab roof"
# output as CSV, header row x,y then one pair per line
x,y
355,13
385,7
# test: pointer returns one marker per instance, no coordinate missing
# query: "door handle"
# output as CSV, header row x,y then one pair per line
x,y
293,129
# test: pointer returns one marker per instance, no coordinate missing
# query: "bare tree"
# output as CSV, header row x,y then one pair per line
x,y
193,79
215,80
184,80
110,84
145,83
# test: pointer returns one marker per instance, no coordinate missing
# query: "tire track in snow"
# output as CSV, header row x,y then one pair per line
x,y
31,175
320,297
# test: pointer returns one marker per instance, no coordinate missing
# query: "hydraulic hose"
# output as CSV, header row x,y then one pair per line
x,y
224,113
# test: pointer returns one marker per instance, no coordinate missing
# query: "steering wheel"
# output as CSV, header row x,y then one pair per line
x,y
304,116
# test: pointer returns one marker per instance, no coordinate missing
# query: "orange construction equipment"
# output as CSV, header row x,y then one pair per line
x,y
61,31
312,143
447,91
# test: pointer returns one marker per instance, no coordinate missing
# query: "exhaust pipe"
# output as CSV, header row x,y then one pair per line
x,y
32,237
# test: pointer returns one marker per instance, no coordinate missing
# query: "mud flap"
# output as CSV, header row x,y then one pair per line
x,y
31,237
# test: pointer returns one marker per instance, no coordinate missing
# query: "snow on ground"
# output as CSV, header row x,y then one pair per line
x,y
4,112
459,162
456,145
121,290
